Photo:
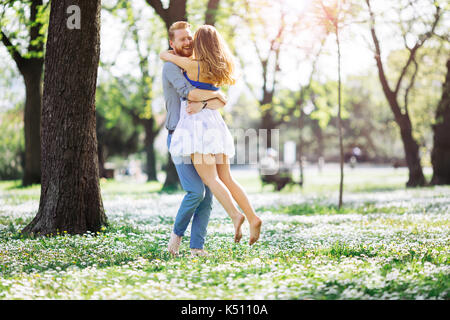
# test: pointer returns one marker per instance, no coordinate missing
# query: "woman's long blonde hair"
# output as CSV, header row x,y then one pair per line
x,y
214,56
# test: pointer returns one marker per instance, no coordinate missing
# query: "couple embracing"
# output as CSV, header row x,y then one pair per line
x,y
199,141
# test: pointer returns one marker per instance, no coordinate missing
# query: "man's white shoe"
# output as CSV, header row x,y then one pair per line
x,y
199,253
174,244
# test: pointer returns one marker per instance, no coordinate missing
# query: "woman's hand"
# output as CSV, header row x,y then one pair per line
x,y
165,55
194,107
222,97
183,62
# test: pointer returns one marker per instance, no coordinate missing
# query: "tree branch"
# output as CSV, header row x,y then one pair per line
x,y
15,54
176,11
35,27
304,89
157,5
412,52
384,82
411,84
275,47
445,37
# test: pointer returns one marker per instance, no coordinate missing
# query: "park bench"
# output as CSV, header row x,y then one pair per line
x,y
279,179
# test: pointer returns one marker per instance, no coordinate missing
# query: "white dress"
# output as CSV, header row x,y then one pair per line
x,y
204,132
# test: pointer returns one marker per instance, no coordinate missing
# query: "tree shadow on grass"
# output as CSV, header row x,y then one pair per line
x,y
16,185
375,188
329,209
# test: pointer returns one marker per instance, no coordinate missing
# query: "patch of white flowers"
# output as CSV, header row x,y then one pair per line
x,y
356,255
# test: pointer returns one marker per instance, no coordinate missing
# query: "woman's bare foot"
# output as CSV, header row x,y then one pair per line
x,y
255,230
238,220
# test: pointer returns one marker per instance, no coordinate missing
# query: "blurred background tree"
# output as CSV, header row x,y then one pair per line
x,y
288,79
23,26
147,38
409,14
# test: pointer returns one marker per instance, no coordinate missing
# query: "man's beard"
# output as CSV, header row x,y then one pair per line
x,y
183,52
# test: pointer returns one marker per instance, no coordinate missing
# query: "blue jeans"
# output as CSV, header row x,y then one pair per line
x,y
197,202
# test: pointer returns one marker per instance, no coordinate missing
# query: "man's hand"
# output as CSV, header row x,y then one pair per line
x,y
206,95
194,107
197,106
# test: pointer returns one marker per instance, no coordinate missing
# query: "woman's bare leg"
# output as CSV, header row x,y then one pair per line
x,y
238,193
206,169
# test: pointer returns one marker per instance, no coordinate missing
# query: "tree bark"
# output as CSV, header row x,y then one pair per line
x,y
440,155
70,192
32,74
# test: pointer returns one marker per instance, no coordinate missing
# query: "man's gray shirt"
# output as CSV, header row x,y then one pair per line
x,y
175,87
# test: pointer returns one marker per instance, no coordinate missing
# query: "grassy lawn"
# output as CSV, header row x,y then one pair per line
x,y
387,242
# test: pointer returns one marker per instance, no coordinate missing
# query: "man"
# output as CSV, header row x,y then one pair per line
x,y
197,202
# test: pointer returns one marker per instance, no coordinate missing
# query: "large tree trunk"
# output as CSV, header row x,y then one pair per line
x,y
440,156
70,192
32,74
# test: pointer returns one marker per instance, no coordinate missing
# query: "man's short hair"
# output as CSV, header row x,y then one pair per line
x,y
177,26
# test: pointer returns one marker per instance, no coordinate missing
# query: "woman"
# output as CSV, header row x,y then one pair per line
x,y
204,136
